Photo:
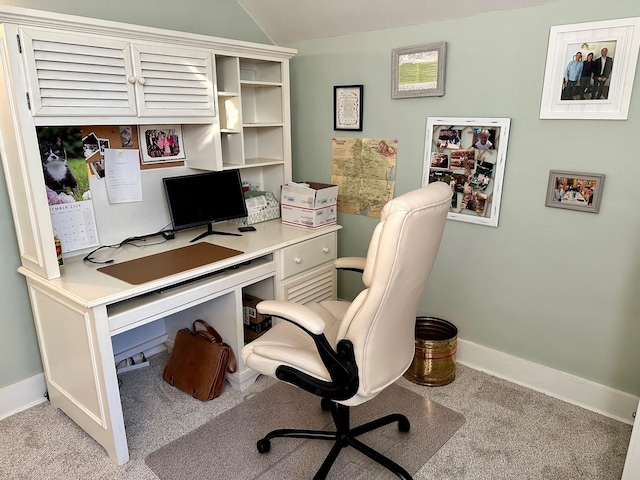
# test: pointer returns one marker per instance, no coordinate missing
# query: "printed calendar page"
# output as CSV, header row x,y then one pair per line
x,y
75,225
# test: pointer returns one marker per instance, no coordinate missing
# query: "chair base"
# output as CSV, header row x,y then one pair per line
x,y
344,436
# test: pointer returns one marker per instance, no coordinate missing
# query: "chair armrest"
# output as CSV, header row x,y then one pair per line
x,y
340,363
350,263
293,312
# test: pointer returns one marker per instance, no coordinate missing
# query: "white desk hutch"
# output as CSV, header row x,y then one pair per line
x,y
232,100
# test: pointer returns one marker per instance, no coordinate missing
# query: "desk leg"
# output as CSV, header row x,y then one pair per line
x,y
77,356
632,463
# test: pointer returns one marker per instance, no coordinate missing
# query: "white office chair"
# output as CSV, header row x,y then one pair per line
x,y
348,352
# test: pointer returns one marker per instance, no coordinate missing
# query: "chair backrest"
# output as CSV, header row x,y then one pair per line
x,y
381,320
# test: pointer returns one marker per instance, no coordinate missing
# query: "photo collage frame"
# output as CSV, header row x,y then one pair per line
x,y
469,154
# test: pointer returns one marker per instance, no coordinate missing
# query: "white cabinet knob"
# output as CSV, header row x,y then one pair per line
x,y
298,260
142,80
325,250
131,79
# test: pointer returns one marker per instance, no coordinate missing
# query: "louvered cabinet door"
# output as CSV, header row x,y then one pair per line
x,y
172,81
76,75
313,286
306,270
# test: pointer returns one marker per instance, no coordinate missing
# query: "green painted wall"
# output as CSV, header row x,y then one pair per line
x,y
219,18
19,354
553,286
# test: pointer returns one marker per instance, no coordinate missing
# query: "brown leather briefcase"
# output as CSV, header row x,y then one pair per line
x,y
199,361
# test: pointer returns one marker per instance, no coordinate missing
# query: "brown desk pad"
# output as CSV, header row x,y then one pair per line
x,y
167,263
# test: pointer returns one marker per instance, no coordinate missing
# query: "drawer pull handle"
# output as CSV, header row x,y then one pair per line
x,y
298,260
325,250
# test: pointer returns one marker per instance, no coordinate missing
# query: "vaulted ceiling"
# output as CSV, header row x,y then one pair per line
x,y
287,22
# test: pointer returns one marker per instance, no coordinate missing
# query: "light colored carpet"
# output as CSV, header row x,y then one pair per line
x,y
225,447
510,433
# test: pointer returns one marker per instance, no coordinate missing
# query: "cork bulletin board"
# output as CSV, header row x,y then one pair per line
x,y
98,137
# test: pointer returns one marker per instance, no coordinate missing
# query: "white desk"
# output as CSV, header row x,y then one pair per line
x,y
77,314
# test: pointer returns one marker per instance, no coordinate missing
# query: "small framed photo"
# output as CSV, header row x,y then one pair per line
x,y
590,70
347,107
469,154
418,71
161,143
575,190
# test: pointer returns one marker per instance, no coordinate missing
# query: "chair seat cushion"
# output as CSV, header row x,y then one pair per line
x,y
287,344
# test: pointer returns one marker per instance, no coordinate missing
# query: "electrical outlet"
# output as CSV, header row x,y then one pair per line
x,y
132,363
139,358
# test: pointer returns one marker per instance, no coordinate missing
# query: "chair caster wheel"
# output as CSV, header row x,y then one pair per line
x,y
404,425
325,403
263,446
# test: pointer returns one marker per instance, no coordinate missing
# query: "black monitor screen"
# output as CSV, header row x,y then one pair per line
x,y
204,198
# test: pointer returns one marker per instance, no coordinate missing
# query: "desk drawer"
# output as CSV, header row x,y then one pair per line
x,y
308,254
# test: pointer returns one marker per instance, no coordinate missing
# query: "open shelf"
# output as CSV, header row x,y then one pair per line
x,y
260,71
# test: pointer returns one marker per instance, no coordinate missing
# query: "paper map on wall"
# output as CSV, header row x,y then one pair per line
x,y
364,170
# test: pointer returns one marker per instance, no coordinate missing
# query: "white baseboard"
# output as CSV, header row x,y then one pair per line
x,y
555,383
22,395
564,386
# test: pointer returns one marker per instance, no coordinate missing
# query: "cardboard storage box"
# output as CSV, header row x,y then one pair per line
x,y
310,195
255,324
259,327
250,336
250,314
308,217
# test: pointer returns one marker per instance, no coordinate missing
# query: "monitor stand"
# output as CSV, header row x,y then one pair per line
x,y
211,231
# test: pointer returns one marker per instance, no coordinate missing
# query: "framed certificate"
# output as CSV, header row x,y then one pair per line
x,y
418,71
347,107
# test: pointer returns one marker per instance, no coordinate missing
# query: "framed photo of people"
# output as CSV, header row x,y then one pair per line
x,y
470,155
590,70
575,191
161,143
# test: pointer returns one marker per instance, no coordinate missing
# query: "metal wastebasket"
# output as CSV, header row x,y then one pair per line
x,y
434,362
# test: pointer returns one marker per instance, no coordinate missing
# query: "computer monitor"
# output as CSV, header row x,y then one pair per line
x,y
204,199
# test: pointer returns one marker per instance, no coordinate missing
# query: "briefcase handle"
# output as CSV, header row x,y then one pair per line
x,y
213,336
